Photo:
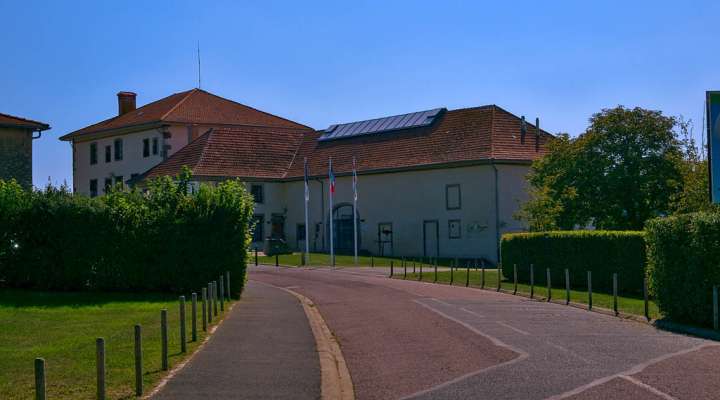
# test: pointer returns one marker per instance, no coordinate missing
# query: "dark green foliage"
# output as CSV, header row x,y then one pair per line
x,y
602,252
684,264
162,240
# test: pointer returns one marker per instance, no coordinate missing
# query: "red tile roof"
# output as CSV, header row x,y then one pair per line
x,y
13,121
194,106
243,152
457,137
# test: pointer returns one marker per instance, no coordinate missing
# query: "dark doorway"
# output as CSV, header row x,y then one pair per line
x,y
343,229
431,239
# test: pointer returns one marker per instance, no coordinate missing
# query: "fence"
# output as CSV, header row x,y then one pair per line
x,y
214,295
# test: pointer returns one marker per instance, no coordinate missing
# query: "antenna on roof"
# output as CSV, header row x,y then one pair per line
x,y
198,58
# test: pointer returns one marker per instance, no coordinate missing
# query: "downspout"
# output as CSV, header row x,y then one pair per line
x,y
497,210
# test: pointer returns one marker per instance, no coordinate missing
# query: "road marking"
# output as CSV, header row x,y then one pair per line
x,y
521,355
472,312
441,302
572,353
648,388
513,328
632,371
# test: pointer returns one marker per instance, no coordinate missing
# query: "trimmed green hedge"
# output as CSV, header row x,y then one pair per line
x,y
684,264
602,252
163,240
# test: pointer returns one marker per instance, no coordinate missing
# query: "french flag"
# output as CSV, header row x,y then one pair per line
x,y
332,179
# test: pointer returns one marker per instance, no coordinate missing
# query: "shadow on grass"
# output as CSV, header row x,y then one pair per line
x,y
36,298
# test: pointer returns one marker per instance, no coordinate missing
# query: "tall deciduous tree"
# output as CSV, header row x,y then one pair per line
x,y
626,168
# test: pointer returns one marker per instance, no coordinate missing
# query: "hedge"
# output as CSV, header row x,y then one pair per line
x,y
684,264
165,239
602,252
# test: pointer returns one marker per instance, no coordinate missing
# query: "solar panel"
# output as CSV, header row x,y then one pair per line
x,y
381,125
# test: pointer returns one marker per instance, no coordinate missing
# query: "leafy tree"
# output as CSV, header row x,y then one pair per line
x,y
624,169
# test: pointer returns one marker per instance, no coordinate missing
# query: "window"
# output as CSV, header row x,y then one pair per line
x,y
155,146
453,197
146,147
258,233
108,154
454,229
93,153
108,184
257,193
93,188
118,149
300,232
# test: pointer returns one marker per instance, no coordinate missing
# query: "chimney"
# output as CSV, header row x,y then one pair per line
x,y
126,102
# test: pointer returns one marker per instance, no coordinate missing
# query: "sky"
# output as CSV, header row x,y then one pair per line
x,y
321,63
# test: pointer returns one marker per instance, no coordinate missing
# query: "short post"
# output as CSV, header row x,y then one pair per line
x,y
40,391
215,298
277,260
204,309
452,272
715,307
645,298
138,361
302,258
482,274
210,302
391,268
227,285
499,276
435,268
589,287
413,265
222,293
100,352
549,284
467,275
615,294
256,257
421,275
193,315
372,261
404,270
567,286
515,283
164,339
532,281
183,338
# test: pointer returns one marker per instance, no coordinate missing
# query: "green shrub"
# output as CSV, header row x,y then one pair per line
x,y
602,252
163,240
684,264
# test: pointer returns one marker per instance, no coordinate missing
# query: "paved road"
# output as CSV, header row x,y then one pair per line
x,y
264,349
404,339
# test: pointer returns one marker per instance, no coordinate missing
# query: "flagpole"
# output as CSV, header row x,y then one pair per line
x,y
355,213
330,194
307,223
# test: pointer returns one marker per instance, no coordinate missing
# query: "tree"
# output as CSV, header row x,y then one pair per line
x,y
624,169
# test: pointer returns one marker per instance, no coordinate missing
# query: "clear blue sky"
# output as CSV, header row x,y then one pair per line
x,y
322,63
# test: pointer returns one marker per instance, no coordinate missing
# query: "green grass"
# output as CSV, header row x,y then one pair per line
x,y
323,259
626,304
62,328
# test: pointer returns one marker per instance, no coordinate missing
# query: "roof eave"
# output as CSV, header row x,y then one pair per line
x,y
112,131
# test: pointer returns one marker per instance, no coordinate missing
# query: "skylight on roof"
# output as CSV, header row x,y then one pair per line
x,y
381,125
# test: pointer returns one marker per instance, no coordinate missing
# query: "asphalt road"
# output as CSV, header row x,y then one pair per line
x,y
405,339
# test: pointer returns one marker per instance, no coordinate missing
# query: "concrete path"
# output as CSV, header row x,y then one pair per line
x,y
264,349
406,339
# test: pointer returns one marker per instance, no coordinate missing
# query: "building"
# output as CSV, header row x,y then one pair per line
x,y
16,136
120,148
432,183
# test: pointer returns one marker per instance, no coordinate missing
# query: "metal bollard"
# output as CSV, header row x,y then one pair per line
x,y
421,270
589,287
372,261
715,307
138,361
40,391
227,283
645,298
222,293
164,339
467,275
256,257
482,274
193,315
413,266
215,298
100,353
210,302
435,269
204,309
515,282
391,268
615,293
183,337
549,285
532,281
499,276
277,260
452,272
567,286
404,270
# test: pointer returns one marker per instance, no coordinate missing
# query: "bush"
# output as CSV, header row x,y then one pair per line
x,y
684,264
161,240
602,252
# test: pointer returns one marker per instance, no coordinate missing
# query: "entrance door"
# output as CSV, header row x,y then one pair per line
x,y
431,239
344,240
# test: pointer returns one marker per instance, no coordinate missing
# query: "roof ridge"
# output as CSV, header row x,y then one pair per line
x,y
252,108
173,108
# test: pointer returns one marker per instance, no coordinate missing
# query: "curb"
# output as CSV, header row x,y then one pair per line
x,y
336,383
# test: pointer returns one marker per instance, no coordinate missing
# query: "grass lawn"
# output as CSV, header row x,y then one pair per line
x,y
322,259
626,304
62,328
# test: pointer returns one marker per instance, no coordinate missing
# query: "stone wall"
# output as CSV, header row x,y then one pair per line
x,y
16,155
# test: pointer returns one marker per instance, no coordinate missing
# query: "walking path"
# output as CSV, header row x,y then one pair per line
x,y
265,349
406,339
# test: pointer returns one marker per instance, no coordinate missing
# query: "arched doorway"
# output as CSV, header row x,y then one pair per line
x,y
343,228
